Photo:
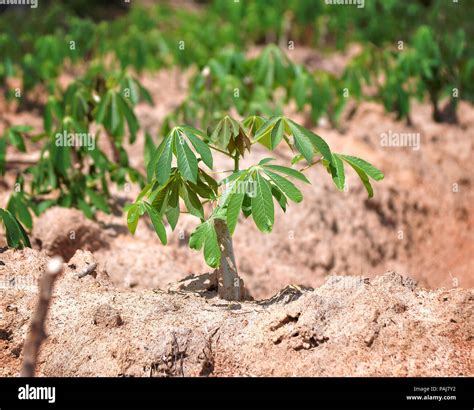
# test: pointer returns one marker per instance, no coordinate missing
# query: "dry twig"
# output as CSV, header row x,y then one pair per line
x,y
37,334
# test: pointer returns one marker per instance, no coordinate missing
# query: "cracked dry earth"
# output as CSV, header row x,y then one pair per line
x,y
349,326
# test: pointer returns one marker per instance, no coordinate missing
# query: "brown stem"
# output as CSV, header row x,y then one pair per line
x,y
37,333
230,286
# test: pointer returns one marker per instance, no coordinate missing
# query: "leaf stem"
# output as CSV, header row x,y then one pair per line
x,y
221,151
310,165
220,172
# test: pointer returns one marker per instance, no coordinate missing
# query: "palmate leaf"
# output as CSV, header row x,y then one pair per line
x,y
368,168
205,236
364,170
302,142
165,156
187,162
173,211
277,133
103,108
285,186
191,200
233,210
288,171
263,211
253,124
155,218
132,218
176,143
263,135
200,146
306,142
337,172
222,133
280,197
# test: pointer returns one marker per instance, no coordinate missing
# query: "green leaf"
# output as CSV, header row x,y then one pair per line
x,y
233,210
262,205
115,118
319,144
280,197
173,211
266,161
132,218
44,205
102,108
222,133
263,135
198,237
159,199
132,120
205,236
337,172
17,207
212,251
202,148
163,169
302,142
16,235
288,171
22,128
277,133
365,180
247,206
369,169
253,124
16,140
156,221
187,162
287,187
225,135
192,202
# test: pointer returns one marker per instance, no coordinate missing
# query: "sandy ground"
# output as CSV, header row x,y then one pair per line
x,y
380,327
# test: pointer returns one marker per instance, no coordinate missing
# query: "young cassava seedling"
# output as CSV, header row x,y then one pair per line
x,y
177,171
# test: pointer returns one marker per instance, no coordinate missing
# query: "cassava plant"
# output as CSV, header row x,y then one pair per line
x,y
179,170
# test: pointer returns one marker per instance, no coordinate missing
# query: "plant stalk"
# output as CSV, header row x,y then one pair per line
x,y
230,285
